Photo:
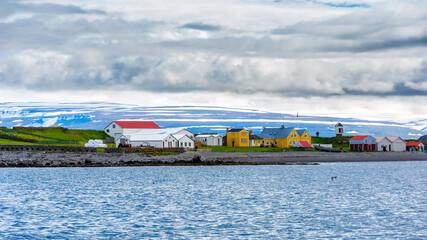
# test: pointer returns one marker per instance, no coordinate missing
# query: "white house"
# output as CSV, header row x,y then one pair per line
x,y
397,144
207,139
118,128
383,144
159,138
184,141
153,140
166,130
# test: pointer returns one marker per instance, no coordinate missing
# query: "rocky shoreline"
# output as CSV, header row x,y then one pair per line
x,y
72,159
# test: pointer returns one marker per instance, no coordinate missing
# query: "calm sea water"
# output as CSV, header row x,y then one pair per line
x,y
386,200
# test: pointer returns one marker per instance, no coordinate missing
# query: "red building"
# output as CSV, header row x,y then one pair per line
x,y
364,143
417,146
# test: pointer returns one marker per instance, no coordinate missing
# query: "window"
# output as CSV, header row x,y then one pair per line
x,y
243,140
232,134
262,141
290,142
293,142
243,134
181,144
108,130
114,125
275,142
185,144
305,134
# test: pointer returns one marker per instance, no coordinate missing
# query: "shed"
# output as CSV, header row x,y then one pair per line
x,y
302,144
209,139
383,144
363,143
417,146
397,144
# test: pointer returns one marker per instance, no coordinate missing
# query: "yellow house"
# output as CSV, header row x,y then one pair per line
x,y
237,137
303,135
282,137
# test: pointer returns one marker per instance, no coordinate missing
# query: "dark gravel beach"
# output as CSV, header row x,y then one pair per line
x,y
47,159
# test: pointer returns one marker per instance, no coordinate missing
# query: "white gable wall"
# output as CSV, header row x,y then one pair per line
x,y
114,130
384,143
186,142
399,145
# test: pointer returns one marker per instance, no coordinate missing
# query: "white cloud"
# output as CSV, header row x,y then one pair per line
x,y
340,57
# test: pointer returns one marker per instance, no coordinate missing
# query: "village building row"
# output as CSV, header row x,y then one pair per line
x,y
147,133
383,144
269,137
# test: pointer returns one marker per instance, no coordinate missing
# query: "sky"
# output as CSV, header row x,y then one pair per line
x,y
359,58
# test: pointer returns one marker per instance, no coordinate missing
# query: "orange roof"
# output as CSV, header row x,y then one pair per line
x,y
359,137
137,124
305,144
413,143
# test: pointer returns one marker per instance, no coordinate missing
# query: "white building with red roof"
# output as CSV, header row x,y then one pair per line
x,y
416,146
303,144
363,143
118,128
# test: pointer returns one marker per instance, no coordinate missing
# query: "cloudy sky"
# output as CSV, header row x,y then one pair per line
x,y
357,58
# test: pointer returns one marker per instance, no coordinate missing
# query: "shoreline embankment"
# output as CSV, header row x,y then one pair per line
x,y
94,159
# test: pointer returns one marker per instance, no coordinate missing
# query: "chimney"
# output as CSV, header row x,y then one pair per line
x,y
283,126
227,129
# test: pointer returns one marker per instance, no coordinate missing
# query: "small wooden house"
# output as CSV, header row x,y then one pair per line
x,y
363,143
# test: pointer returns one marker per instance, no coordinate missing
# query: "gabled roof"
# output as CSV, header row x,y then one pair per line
x,y
148,137
253,136
394,138
359,137
276,132
304,143
137,124
300,131
235,130
208,135
179,136
379,139
161,131
339,125
413,143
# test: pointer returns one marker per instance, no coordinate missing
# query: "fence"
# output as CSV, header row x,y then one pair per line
x,y
39,128
19,139
45,148
143,150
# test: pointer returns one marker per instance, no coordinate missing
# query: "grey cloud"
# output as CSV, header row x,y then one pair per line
x,y
202,27
399,89
11,7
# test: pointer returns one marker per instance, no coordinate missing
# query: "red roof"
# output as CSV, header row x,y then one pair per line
x,y
305,144
361,137
413,143
137,124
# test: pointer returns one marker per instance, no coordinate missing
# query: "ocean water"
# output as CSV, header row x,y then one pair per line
x,y
378,200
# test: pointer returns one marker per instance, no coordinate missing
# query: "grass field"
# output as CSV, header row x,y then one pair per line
x,y
53,136
336,142
245,149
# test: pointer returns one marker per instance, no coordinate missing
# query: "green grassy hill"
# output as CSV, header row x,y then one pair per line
x,y
51,136
336,142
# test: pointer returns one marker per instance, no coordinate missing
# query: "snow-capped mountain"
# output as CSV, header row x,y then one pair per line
x,y
198,119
